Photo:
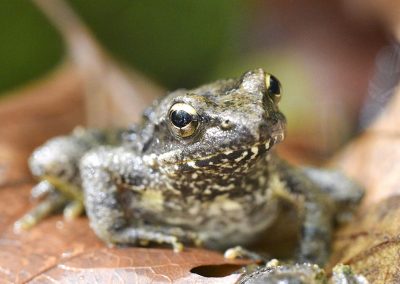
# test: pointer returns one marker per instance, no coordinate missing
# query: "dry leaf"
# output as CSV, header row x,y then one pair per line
x,y
370,242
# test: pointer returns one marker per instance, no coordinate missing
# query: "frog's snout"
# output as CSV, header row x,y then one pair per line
x,y
273,129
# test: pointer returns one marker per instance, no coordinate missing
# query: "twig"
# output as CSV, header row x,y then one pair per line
x,y
114,95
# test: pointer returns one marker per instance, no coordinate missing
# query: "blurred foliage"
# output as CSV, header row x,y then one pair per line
x,y
29,44
176,43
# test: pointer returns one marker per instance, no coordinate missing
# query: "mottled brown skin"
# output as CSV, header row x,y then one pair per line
x,y
213,180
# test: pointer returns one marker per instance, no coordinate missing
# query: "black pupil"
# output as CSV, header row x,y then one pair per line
x,y
181,118
274,86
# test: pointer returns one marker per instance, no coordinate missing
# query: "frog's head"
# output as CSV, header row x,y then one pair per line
x,y
225,125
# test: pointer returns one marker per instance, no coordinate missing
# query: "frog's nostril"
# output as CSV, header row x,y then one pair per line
x,y
226,124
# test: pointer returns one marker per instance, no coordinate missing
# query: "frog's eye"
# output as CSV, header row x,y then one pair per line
x,y
273,87
183,119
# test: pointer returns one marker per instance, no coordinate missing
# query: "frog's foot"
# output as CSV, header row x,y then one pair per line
x,y
148,234
52,203
274,272
55,195
240,252
144,237
44,188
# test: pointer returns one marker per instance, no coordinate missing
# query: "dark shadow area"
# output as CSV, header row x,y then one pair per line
x,y
216,270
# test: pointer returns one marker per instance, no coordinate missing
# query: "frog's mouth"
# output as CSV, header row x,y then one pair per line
x,y
225,159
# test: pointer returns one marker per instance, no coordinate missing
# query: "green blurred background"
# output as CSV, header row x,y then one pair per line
x,y
173,42
29,45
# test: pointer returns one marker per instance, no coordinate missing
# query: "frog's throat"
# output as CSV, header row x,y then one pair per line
x,y
171,158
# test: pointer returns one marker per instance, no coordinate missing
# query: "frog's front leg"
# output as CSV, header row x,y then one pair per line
x,y
316,230
105,172
316,213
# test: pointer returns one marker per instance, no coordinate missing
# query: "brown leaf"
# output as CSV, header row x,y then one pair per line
x,y
370,243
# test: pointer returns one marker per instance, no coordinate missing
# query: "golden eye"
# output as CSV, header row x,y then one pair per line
x,y
273,87
183,119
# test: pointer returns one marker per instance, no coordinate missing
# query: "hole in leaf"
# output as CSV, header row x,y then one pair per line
x,y
220,270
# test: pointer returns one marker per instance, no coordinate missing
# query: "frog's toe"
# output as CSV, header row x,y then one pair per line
x,y
41,190
51,204
175,244
240,252
26,222
234,253
178,247
144,236
185,236
73,210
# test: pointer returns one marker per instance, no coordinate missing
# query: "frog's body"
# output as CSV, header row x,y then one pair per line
x,y
199,168
219,215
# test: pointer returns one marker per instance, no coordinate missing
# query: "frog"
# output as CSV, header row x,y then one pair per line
x,y
199,169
